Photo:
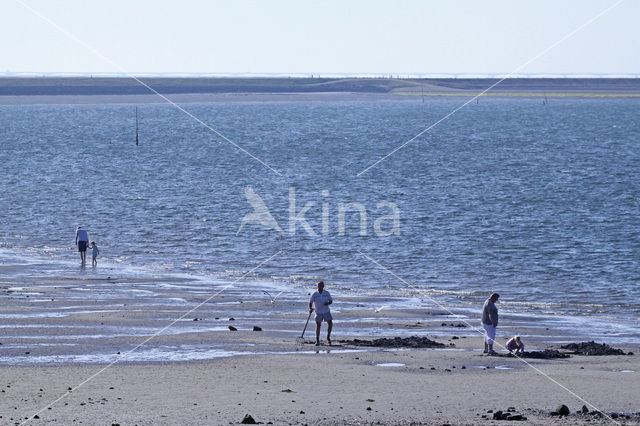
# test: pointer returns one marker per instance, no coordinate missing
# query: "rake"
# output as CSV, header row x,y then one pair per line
x,y
300,340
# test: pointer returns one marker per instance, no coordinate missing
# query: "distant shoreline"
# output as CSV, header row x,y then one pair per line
x,y
212,98
29,90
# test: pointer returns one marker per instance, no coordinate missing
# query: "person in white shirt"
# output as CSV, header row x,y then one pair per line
x,y
82,240
320,300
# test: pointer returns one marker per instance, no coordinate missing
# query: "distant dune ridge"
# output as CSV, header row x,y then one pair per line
x,y
47,86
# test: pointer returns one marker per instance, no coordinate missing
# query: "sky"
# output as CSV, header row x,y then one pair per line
x,y
319,37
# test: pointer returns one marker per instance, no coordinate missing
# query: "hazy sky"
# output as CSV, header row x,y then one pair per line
x,y
236,36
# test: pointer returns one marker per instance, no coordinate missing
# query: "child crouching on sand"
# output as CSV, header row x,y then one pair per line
x,y
94,254
515,344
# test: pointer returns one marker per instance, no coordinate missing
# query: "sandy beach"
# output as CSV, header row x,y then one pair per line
x,y
201,372
330,385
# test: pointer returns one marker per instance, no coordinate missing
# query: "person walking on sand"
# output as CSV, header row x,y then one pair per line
x,y
321,300
82,239
95,251
490,322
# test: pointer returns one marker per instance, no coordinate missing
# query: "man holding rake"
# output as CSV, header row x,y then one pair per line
x,y
320,300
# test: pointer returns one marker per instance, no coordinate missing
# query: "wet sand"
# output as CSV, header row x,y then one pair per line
x,y
93,318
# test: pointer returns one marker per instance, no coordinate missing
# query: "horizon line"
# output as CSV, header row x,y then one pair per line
x,y
386,76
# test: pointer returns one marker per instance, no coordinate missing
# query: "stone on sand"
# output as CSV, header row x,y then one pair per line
x,y
562,410
248,420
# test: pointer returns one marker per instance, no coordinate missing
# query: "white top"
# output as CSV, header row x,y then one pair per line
x,y
319,300
82,235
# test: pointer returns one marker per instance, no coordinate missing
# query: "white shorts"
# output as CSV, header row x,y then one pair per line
x,y
489,333
326,316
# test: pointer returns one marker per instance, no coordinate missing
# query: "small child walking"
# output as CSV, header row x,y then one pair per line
x,y
515,344
95,251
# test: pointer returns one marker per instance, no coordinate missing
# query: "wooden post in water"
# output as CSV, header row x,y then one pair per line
x,y
136,126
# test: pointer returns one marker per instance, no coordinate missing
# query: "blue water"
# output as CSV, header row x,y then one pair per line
x,y
539,203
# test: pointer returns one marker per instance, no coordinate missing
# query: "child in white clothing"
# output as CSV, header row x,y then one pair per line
x,y
515,344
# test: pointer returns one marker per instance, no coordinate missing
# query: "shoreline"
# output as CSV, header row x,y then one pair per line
x,y
88,320
53,315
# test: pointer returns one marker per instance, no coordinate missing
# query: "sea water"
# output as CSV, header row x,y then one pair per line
x,y
539,202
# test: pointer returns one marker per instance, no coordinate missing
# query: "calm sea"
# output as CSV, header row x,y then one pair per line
x,y
540,203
